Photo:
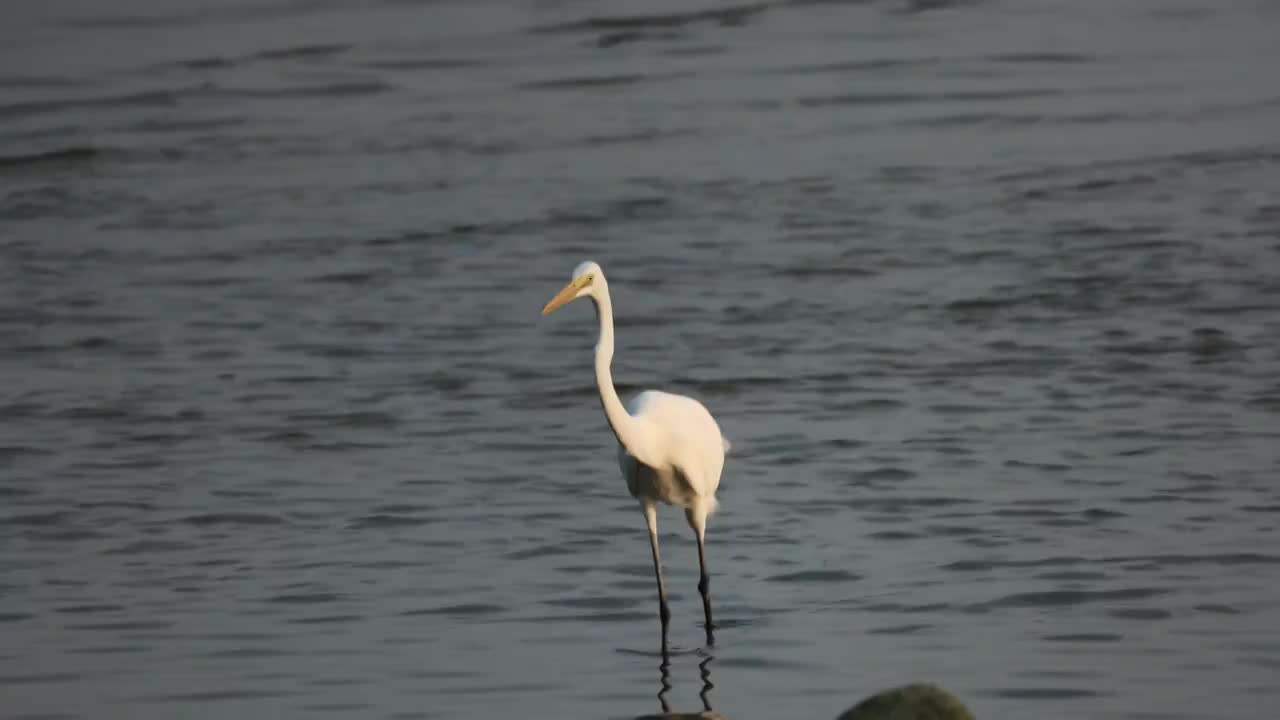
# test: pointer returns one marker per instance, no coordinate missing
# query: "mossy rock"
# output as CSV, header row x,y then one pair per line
x,y
909,702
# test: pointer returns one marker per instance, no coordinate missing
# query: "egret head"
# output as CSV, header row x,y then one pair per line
x,y
588,279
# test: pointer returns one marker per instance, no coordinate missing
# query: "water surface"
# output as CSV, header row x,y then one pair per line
x,y
984,293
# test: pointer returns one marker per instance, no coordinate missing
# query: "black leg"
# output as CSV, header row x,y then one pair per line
x,y
651,517
704,588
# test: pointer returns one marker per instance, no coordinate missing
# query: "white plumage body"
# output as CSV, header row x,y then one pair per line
x,y
694,447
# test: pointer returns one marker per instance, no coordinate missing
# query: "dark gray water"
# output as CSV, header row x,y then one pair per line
x,y
986,294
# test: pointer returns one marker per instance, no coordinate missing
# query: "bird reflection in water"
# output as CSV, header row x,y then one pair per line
x,y
704,671
916,701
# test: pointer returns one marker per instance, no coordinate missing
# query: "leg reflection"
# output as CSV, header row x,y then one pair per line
x,y
665,670
704,668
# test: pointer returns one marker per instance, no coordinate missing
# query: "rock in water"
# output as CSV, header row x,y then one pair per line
x,y
909,702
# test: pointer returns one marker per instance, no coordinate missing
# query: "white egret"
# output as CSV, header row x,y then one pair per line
x,y
670,449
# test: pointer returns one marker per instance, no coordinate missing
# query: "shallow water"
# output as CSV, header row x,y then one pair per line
x,y
984,293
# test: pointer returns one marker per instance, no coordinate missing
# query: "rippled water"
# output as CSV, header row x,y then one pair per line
x,y
985,294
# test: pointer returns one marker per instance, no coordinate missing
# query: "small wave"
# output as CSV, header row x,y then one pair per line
x,y
1060,598
894,535
1223,559
1217,609
96,412
1102,514
1159,498
596,603
47,519
599,81
234,518
233,695
763,663
357,419
30,82
1084,638
341,446
1123,181
985,565
462,610
39,678
815,576
176,125
419,64
909,629
240,12
206,63
154,98
876,65
540,551
885,474
386,520
1141,614
904,98
1027,512
296,53
246,653
1233,309
624,37
954,531
868,405
1042,467
146,547
1016,120
61,156
89,609
304,598
1042,58
904,608
899,505
286,437
324,619
330,350
92,342
1044,693
12,452
1071,576
825,270
983,304
303,51
917,7
353,88
122,626
349,277
628,138
617,616
734,15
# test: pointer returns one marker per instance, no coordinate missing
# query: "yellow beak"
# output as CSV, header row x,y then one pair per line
x,y
566,294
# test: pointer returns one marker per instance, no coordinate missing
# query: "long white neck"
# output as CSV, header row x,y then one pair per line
x,y
625,427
